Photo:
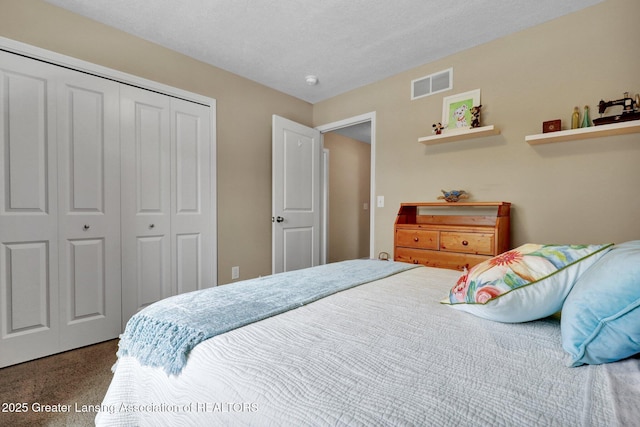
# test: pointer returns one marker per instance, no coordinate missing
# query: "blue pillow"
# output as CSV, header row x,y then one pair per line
x,y
600,320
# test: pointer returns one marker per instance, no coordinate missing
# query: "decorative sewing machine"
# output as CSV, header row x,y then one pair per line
x,y
630,110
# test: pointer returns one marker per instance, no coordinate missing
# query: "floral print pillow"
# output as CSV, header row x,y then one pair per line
x,y
525,283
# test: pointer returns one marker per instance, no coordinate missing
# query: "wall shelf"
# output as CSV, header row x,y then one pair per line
x,y
458,135
585,133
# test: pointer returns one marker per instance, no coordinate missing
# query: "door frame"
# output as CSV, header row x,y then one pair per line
x,y
55,58
329,127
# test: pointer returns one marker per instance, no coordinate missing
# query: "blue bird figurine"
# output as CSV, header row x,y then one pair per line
x,y
453,195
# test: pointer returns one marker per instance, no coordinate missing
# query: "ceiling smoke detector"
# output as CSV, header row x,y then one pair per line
x,y
311,80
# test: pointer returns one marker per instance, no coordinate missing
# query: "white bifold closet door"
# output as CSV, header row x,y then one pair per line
x,y
88,209
146,198
166,213
105,205
29,308
59,209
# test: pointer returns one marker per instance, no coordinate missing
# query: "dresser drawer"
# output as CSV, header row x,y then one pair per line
x,y
474,243
422,239
438,259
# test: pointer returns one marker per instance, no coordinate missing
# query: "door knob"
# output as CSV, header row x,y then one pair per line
x,y
152,225
86,227
279,219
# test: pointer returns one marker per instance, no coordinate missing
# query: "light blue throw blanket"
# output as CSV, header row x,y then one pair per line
x,y
163,334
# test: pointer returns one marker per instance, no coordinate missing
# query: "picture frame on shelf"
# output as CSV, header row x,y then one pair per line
x,y
456,110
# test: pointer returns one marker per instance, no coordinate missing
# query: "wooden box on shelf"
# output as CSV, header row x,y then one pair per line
x,y
451,235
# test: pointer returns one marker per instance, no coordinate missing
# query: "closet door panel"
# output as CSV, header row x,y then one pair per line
x,y
191,202
150,260
89,207
188,259
28,210
146,201
26,109
188,167
88,279
27,282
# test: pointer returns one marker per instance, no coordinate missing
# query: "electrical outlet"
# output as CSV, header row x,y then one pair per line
x,y
235,272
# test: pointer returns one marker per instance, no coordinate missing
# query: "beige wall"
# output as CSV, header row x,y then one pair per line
x,y
573,192
578,192
349,190
244,110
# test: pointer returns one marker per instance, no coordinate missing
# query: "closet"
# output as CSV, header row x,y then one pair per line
x,y
165,206
105,204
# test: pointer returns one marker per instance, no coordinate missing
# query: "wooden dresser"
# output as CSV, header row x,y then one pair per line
x,y
451,235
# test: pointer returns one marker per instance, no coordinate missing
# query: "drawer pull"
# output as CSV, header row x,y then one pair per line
x,y
415,239
415,261
465,243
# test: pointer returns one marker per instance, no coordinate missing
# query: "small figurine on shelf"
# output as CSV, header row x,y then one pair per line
x,y
586,121
475,116
575,118
453,195
437,128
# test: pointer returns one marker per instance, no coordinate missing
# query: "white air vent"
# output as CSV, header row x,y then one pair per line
x,y
433,83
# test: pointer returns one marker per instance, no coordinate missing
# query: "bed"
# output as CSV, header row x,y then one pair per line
x,y
390,352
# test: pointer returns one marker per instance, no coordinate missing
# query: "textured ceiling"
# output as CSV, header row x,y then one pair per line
x,y
347,44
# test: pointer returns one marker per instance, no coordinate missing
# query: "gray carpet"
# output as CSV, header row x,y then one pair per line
x,y
70,380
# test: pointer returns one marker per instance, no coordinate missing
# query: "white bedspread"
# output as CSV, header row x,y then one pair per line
x,y
385,353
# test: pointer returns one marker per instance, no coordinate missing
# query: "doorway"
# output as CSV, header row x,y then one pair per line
x,y
348,188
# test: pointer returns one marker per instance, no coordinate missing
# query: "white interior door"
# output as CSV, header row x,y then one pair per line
x,y
146,200
29,324
296,175
191,212
89,209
